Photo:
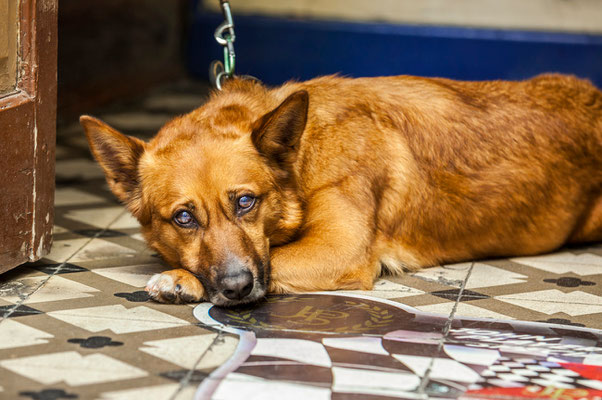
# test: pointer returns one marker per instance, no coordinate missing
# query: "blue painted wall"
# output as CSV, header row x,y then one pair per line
x,y
279,49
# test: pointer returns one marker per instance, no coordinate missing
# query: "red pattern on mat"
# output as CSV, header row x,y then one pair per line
x,y
593,372
536,392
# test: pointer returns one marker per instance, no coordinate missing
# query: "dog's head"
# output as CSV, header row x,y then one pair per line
x,y
213,190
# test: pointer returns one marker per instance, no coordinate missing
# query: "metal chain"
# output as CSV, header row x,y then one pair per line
x,y
224,35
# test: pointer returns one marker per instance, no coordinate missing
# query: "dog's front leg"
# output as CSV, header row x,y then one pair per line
x,y
334,252
175,286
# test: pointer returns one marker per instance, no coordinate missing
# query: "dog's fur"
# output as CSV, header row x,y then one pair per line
x,y
356,177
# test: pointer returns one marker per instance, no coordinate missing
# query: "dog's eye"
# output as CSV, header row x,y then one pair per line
x,y
245,203
184,219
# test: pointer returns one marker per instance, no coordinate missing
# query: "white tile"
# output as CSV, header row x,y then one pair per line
x,y
15,334
462,310
138,236
554,301
126,221
186,351
364,344
55,288
118,319
99,249
484,275
441,368
386,289
133,275
72,368
72,196
98,217
58,229
63,249
304,351
160,392
472,355
564,262
350,380
449,275
255,388
78,168
61,152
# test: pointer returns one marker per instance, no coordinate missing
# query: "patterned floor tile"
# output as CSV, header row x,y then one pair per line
x,y
53,288
78,168
15,334
554,301
125,221
484,275
189,351
386,289
118,319
449,275
63,250
462,309
71,196
133,275
98,249
72,368
563,262
98,217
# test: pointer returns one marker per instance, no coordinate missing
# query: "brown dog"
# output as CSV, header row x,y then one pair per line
x,y
326,184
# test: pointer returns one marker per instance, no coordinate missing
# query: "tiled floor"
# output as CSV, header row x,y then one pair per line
x,y
78,325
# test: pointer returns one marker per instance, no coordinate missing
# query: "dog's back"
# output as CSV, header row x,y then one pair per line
x,y
452,170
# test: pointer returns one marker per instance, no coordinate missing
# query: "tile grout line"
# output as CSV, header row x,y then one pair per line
x,y
188,375
446,329
9,312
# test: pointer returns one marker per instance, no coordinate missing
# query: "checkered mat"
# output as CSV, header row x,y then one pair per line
x,y
329,346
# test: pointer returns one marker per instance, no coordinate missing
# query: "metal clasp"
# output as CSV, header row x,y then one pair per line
x,y
225,36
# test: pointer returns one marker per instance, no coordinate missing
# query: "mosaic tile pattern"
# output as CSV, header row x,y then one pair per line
x,y
78,325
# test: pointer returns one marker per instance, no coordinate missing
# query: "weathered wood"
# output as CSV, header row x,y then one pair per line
x,y
27,138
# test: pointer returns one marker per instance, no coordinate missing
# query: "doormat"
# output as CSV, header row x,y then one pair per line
x,y
342,346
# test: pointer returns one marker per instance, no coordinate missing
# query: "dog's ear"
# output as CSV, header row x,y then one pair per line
x,y
277,133
118,155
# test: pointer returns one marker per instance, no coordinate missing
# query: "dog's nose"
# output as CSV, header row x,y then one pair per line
x,y
237,286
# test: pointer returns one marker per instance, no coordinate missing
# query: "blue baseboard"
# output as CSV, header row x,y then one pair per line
x,y
279,49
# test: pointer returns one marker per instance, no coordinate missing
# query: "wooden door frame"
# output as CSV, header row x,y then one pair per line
x,y
28,121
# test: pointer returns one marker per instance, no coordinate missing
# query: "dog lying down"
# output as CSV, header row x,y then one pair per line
x,y
327,184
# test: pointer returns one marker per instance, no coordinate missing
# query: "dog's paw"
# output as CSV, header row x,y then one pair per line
x,y
177,286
